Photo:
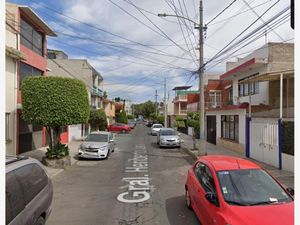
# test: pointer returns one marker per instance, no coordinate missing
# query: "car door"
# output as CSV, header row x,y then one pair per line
x,y
15,202
111,142
206,183
113,127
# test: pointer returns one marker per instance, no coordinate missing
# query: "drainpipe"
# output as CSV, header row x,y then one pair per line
x,y
280,124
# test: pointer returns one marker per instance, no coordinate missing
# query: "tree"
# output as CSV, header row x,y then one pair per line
x,y
98,119
122,117
54,102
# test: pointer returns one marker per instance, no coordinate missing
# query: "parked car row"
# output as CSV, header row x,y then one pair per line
x,y
97,145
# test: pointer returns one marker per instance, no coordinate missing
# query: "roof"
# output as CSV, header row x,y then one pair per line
x,y
181,88
32,15
222,162
243,105
254,62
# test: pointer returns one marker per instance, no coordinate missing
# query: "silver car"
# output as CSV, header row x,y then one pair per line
x,y
29,191
168,137
97,145
156,128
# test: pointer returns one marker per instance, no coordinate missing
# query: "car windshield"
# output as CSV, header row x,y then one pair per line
x,y
157,126
167,132
97,138
250,187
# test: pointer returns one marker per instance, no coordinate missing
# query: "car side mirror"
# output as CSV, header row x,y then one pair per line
x,y
291,191
212,198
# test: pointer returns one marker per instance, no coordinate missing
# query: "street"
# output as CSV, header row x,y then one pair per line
x,y
101,191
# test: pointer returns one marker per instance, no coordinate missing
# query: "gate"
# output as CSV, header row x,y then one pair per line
x,y
264,140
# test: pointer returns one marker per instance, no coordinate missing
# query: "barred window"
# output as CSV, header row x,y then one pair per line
x,y
230,127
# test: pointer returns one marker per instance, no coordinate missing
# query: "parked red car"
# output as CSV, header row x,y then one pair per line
x,y
119,127
227,190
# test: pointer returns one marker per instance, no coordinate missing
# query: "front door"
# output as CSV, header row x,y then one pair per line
x,y
211,129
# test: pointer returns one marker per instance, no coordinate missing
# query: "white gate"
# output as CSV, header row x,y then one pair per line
x,y
264,140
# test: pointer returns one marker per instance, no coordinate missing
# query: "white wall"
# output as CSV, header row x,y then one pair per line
x,y
287,162
11,102
74,132
261,98
242,122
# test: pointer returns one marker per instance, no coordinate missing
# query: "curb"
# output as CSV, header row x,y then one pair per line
x,y
189,152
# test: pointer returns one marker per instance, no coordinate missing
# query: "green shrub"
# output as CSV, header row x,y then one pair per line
x,y
130,117
122,117
195,125
179,118
54,102
98,119
160,119
58,151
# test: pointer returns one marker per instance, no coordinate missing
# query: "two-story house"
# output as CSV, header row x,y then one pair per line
x,y
26,41
262,94
58,64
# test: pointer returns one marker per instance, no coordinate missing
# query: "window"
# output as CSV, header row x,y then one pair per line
x,y
26,70
32,38
14,197
32,179
7,115
230,127
215,99
205,177
246,89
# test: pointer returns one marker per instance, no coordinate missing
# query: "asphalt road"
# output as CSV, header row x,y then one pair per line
x,y
139,184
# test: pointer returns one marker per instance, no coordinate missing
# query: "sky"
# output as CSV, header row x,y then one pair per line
x,y
135,50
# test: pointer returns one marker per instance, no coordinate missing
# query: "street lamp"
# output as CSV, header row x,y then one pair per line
x,y
200,27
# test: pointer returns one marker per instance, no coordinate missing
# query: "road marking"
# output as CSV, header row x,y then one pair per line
x,y
138,188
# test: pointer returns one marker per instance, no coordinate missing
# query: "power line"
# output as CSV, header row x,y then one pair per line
x,y
214,57
221,12
261,18
96,27
237,14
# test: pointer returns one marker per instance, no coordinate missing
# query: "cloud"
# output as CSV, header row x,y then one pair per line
x,y
129,62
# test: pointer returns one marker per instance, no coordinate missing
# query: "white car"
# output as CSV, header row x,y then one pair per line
x,y
156,128
97,145
168,137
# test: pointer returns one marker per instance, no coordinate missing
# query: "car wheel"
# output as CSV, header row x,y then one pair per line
x,y
108,153
40,221
123,131
188,199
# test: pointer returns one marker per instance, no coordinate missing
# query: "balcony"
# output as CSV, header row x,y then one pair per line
x,y
96,91
182,112
180,98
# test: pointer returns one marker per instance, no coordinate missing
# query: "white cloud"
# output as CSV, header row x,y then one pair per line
x,y
135,71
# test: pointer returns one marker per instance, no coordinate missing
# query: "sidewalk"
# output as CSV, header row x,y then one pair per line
x,y
40,153
285,177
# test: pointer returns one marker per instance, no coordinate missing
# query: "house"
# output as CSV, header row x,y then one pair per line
x,y
26,47
109,108
58,64
262,99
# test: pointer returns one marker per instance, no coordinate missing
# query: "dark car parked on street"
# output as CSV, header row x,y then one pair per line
x,y
29,191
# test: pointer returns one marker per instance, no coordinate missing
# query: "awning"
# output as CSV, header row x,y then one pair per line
x,y
268,76
14,53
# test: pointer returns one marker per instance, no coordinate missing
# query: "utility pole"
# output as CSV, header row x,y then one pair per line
x,y
165,103
201,74
156,102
